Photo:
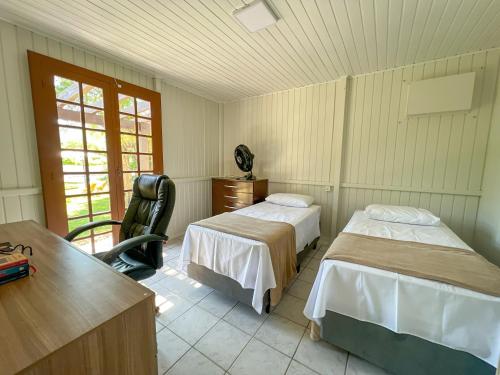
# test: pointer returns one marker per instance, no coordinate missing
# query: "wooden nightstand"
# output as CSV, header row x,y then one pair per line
x,y
229,194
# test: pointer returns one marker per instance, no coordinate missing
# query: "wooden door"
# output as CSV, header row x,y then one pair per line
x,y
140,152
80,146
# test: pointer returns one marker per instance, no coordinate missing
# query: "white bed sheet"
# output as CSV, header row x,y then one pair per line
x,y
305,220
244,260
441,313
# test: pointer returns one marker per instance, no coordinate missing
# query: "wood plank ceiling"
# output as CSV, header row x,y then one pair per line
x,y
199,45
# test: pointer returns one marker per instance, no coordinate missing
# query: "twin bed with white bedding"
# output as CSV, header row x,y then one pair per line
x,y
404,323
244,260
440,313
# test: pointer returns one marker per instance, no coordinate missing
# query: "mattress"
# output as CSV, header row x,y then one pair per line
x,y
305,220
441,313
244,260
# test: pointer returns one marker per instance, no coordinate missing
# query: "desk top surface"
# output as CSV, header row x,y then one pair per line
x,y
71,294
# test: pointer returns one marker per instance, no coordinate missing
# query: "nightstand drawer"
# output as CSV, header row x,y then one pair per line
x,y
236,197
229,207
231,194
237,187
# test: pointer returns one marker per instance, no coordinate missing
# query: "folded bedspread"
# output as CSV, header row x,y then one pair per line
x,y
450,265
278,236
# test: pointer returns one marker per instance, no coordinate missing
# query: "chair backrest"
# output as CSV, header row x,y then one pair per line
x,y
149,212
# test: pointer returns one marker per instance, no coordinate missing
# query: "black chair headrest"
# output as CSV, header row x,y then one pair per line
x,y
148,185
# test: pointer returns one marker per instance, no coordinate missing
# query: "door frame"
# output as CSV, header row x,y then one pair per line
x,y
42,70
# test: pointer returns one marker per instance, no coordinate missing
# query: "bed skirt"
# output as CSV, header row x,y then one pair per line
x,y
232,288
398,353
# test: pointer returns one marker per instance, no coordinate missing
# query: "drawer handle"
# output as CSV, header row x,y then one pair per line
x,y
231,207
231,186
230,196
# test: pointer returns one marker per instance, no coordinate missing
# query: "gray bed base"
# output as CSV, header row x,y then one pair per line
x,y
398,353
232,288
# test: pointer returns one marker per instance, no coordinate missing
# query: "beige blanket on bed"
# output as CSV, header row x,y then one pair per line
x,y
463,268
278,236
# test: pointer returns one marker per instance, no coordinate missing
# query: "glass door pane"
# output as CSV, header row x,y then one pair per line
x,y
84,158
136,142
95,135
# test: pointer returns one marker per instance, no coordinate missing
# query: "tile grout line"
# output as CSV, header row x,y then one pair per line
x,y
252,336
346,363
191,347
263,343
209,330
182,356
293,358
295,351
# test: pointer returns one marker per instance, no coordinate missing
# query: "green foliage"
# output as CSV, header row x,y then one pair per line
x,y
62,84
94,97
126,104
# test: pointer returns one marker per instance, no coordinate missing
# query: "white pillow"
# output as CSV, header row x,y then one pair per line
x,y
291,200
401,214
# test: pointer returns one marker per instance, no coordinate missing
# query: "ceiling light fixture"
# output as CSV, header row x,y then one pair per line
x,y
256,16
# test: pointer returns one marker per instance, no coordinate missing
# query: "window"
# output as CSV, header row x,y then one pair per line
x,y
136,141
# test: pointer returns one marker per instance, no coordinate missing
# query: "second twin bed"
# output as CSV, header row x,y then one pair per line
x,y
426,322
242,267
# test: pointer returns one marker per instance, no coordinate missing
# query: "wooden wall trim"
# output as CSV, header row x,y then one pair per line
x,y
474,193
340,123
19,192
183,180
326,184
221,138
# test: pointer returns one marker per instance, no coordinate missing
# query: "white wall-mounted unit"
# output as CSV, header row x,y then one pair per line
x,y
444,94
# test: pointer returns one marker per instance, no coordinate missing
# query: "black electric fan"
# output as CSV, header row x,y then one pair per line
x,y
244,161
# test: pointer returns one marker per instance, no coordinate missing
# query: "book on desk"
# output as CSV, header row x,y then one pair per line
x,y
12,267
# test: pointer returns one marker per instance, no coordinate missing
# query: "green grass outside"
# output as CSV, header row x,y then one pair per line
x,y
99,205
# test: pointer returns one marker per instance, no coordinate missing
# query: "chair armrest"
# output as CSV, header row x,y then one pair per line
x,y
75,232
128,244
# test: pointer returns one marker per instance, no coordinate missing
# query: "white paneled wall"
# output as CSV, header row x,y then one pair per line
x,y
432,161
487,233
190,134
190,152
321,197
193,203
20,186
457,211
291,134
190,130
348,142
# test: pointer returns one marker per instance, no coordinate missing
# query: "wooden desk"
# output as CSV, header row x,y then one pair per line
x,y
76,315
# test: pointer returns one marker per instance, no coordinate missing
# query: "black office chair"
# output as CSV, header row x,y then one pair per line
x,y
142,232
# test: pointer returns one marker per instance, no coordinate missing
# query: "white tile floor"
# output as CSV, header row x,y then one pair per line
x,y
200,331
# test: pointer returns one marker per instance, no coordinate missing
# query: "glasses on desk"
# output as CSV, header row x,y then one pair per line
x,y
8,248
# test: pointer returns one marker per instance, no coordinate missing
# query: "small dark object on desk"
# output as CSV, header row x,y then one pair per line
x,y
7,248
